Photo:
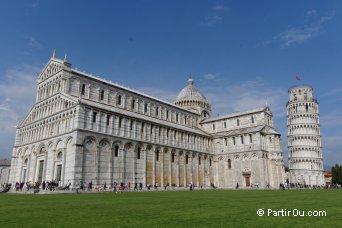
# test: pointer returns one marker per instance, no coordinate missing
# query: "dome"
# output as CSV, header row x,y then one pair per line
x,y
191,93
193,100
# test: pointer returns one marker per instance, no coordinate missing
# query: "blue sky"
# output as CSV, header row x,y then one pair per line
x,y
239,53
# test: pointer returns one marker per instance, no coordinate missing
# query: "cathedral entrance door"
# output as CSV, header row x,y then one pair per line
x,y
40,171
248,180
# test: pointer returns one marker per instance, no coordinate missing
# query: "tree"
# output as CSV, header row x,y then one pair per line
x,y
336,172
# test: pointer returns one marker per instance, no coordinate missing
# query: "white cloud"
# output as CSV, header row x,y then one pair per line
x,y
219,7
216,16
332,149
333,140
299,35
327,18
332,92
212,21
16,97
227,98
311,12
332,119
32,42
209,76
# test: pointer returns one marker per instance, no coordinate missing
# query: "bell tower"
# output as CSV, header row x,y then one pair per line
x,y
304,139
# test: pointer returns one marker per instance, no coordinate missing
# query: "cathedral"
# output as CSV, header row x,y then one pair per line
x,y
86,129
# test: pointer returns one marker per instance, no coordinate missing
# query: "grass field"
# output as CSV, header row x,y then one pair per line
x,y
212,208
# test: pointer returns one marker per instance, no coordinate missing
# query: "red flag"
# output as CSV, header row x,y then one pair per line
x,y
297,78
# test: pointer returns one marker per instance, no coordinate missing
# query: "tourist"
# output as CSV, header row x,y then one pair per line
x,y
81,185
68,185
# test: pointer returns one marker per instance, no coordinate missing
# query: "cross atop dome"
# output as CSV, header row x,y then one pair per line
x,y
190,80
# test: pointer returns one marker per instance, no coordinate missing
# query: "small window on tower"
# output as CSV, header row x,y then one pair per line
x,y
116,151
157,155
252,118
108,118
83,89
131,125
120,122
102,95
139,151
119,100
238,122
133,104
94,117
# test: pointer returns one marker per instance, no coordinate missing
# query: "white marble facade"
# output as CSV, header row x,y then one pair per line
x,y
304,137
86,128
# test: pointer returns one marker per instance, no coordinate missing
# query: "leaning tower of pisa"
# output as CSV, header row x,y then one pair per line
x,y
304,139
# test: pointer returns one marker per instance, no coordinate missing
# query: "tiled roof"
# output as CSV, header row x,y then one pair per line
x,y
129,90
235,114
240,131
144,117
5,162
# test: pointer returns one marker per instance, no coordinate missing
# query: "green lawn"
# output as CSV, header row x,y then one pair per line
x,y
212,208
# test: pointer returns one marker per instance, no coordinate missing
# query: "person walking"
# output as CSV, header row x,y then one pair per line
x,y
81,185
